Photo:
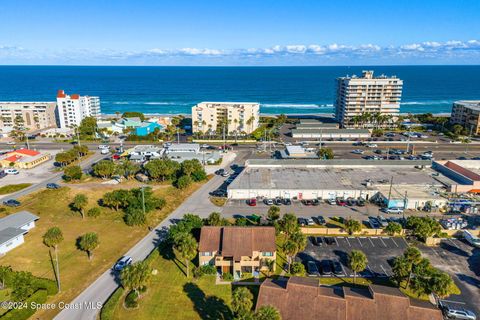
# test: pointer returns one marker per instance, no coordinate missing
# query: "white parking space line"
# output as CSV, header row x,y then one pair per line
x,y
453,243
384,271
348,242
383,242
404,241
335,239
451,301
394,242
371,242
361,245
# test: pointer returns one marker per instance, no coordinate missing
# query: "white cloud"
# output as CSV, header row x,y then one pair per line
x,y
423,52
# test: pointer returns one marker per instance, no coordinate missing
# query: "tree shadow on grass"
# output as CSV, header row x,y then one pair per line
x,y
167,253
207,307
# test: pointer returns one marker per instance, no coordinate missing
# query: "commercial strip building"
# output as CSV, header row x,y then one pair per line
x,y
234,117
331,133
71,109
23,159
176,151
28,115
303,298
464,175
467,114
237,250
12,229
331,179
367,95
298,152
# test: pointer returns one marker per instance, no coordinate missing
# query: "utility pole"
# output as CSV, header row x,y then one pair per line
x,y
321,135
26,137
404,208
408,140
468,140
143,199
390,191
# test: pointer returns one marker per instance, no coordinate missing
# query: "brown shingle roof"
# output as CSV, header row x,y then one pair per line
x,y
303,298
237,241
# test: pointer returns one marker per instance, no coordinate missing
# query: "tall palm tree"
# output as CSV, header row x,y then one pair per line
x,y
413,257
357,261
52,238
186,245
242,301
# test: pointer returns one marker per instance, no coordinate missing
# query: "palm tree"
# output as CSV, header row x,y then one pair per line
x,y
242,301
357,261
195,125
136,275
186,245
250,122
413,257
79,203
269,263
89,242
267,313
52,238
289,248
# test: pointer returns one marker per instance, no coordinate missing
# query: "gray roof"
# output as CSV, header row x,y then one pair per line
x,y
313,126
338,163
17,220
10,233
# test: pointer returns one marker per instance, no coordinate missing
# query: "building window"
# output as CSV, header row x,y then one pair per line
x,y
206,254
267,254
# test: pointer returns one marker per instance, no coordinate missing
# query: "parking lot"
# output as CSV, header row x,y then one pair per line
x,y
380,252
462,262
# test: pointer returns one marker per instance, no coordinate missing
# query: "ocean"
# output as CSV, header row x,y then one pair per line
x,y
289,90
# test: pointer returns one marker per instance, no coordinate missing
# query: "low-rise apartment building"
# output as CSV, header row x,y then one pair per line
x,y
72,109
28,115
23,159
234,117
467,114
367,100
237,250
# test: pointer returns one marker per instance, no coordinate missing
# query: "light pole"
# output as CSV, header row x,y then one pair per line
x,y
143,199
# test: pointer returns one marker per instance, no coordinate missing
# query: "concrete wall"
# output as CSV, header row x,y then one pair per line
x,y
299,194
340,231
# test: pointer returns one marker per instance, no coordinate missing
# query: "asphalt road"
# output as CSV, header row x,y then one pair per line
x,y
105,285
54,178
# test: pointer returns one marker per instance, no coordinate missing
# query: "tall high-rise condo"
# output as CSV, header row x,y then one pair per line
x,y
368,101
234,117
73,108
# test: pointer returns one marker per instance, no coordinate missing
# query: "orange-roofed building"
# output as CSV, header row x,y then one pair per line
x,y
23,159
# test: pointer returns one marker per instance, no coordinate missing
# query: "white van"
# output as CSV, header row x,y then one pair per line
x,y
473,240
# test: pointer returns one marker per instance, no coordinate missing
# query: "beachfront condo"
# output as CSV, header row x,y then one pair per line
x,y
73,108
28,115
368,101
231,117
467,114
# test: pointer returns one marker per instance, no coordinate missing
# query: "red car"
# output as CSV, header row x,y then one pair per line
x,y
116,157
341,202
252,202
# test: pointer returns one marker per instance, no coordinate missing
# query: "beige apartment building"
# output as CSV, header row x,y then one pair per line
x,y
237,250
467,114
30,115
235,117
368,101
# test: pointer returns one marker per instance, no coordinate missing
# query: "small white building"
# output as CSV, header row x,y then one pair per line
x,y
12,229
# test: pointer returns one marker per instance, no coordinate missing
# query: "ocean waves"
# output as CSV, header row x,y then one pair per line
x,y
296,106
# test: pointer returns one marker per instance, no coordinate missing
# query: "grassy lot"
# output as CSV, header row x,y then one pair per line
x,y
11,188
77,272
173,296
218,201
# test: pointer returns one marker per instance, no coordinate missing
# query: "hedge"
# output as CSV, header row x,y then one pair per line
x,y
39,296
109,307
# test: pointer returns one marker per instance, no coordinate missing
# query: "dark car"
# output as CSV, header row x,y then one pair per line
x,y
312,269
53,186
287,201
315,202
277,201
329,240
220,171
326,266
319,241
337,268
361,202
313,240
320,220
11,203
307,202
351,202
373,223
3,174
302,222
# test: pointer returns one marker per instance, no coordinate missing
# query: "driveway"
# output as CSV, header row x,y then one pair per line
x,y
462,262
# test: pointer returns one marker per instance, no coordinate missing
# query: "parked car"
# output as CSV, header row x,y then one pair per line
x,y
287,201
53,186
302,222
312,269
11,203
313,240
11,142
337,268
326,267
122,263
225,173
358,151
2,174
319,241
320,220
102,146
220,172
252,202
351,202
268,202
341,202
310,222
361,202
331,201
383,222
373,222
372,145
453,312
278,201
12,171
392,210
315,202
307,202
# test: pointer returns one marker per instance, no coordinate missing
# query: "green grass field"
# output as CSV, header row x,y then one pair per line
x,y
11,188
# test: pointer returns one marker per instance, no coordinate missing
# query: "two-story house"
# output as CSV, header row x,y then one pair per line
x,y
237,250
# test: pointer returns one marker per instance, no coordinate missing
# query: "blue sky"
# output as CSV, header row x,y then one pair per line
x,y
228,32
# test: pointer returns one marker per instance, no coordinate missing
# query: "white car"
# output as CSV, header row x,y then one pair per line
x,y
123,262
372,145
11,171
358,151
102,146
310,221
392,210
104,151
